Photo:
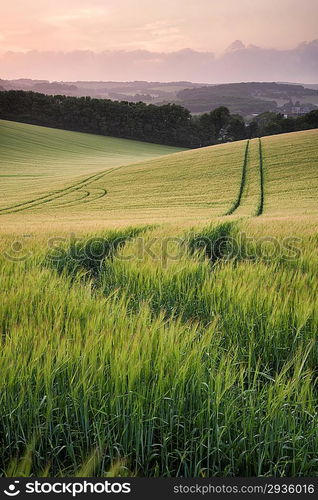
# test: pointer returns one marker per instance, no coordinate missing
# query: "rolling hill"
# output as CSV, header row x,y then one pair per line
x,y
50,175
34,158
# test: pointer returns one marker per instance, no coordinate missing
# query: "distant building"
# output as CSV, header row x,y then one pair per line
x,y
297,109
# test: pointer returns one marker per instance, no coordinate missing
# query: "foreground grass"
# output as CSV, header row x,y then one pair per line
x,y
187,367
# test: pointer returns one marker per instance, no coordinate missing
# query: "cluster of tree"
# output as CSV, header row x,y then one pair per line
x,y
273,123
169,124
219,126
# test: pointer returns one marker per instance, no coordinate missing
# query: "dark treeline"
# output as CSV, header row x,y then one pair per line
x,y
169,124
273,123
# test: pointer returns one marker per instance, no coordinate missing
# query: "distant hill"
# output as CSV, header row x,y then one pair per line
x,y
246,98
243,98
145,91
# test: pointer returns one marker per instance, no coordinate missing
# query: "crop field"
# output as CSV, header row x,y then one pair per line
x,y
36,159
159,308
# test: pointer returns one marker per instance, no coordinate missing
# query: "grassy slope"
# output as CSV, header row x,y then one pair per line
x,y
34,158
188,187
163,364
291,174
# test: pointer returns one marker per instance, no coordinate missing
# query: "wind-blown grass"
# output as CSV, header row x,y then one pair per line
x,y
185,370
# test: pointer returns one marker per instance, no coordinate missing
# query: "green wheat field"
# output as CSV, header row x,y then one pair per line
x,y
159,307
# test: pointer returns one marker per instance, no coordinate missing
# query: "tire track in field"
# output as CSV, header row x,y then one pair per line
x,y
260,208
238,200
87,197
53,194
99,195
57,194
251,192
83,194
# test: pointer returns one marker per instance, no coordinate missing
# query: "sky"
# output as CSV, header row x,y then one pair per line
x,y
154,25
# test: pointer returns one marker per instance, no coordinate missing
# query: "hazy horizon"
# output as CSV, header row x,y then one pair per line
x,y
163,41
237,64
